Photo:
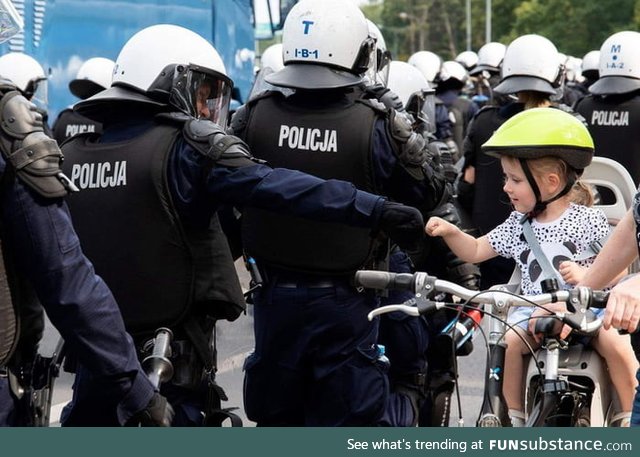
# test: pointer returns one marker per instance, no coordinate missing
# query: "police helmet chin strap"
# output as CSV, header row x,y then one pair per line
x,y
540,205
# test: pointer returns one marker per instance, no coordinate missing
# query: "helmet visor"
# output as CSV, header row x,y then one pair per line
x,y
202,93
37,92
422,106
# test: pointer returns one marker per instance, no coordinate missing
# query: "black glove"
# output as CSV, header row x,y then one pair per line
x,y
158,413
403,224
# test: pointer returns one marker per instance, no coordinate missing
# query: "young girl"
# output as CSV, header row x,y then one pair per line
x,y
542,152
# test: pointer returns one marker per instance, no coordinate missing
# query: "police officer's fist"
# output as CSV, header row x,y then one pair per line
x,y
158,413
403,224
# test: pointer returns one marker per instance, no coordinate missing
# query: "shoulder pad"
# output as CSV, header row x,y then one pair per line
x,y
401,126
210,140
199,130
392,100
34,156
7,86
18,116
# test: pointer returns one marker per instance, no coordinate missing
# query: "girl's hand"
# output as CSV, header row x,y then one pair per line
x,y
571,272
548,309
439,227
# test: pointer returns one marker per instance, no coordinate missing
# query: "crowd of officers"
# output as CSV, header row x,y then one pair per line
x,y
332,165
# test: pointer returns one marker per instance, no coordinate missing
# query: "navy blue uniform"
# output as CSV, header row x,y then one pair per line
x,y
77,301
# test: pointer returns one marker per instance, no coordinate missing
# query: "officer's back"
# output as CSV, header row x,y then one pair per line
x,y
612,110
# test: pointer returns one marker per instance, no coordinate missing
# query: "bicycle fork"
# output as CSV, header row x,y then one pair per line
x,y
494,411
558,406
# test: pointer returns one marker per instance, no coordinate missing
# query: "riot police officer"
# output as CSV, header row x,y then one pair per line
x,y
451,79
93,76
612,110
486,74
429,64
41,261
163,167
316,360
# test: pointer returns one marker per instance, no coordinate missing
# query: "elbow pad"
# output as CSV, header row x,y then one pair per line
x,y
35,157
411,149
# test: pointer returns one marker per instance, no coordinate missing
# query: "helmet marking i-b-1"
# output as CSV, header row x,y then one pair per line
x,y
326,45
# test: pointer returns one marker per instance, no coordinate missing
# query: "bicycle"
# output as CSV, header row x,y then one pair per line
x,y
555,399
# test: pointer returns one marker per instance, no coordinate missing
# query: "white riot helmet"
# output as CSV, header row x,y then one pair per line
x,y
619,64
414,91
427,62
93,76
326,45
378,71
272,58
573,68
27,74
468,59
405,79
490,58
168,65
531,63
453,74
591,64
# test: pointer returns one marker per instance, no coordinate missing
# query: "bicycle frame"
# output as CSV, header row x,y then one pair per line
x,y
557,396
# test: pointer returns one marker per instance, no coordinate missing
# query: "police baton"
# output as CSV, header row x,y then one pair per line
x,y
158,367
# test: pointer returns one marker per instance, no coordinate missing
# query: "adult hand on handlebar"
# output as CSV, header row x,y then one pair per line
x,y
550,308
623,307
403,224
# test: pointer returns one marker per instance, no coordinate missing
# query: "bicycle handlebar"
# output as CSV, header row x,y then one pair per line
x,y
578,299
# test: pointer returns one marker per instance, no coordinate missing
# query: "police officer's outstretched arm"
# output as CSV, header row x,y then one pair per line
x,y
44,249
240,179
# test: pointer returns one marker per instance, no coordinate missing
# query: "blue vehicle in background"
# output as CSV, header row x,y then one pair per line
x,y
62,34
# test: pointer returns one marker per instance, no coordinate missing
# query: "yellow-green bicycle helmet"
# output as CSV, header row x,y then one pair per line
x,y
543,132
540,132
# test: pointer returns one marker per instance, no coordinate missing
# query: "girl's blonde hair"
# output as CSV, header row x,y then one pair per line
x,y
581,193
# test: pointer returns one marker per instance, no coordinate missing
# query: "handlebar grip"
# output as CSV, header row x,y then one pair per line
x,y
384,280
599,299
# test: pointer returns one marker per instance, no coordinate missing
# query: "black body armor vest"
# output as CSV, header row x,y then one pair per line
x,y
158,268
613,122
329,143
70,123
